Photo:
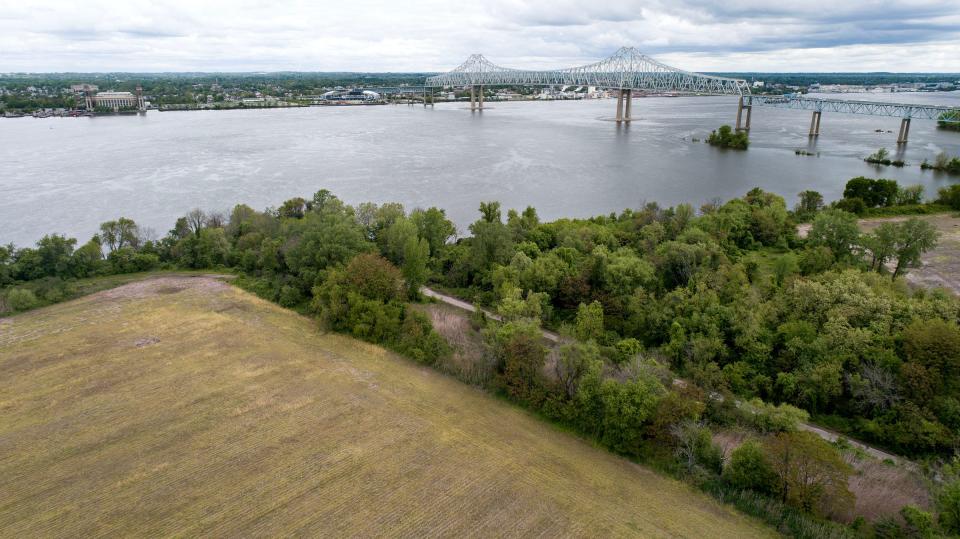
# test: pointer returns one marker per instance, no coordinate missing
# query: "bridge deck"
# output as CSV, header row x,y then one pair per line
x,y
872,108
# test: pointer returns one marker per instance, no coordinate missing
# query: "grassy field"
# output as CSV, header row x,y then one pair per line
x,y
184,406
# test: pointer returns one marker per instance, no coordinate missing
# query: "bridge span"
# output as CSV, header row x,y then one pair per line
x,y
628,70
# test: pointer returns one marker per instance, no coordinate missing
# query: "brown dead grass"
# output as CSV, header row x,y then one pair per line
x,y
239,419
883,489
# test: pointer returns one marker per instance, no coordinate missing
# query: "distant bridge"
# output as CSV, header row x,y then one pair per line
x,y
629,70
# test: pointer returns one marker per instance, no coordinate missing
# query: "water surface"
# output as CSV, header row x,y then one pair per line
x,y
565,158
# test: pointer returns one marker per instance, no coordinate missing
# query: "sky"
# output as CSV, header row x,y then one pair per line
x,y
437,35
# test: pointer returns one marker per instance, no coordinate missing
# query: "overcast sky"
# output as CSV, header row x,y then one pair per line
x,y
436,35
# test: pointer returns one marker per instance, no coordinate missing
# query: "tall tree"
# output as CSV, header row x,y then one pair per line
x,y
119,234
810,473
914,237
837,230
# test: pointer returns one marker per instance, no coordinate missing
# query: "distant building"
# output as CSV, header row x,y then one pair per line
x,y
115,100
351,95
83,88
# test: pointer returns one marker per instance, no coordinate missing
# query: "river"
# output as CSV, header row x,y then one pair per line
x,y
566,158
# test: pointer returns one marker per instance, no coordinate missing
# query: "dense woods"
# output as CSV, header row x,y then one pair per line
x,y
675,321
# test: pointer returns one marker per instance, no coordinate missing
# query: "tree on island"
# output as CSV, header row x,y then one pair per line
x,y
725,137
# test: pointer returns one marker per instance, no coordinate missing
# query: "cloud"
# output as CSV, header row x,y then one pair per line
x,y
436,35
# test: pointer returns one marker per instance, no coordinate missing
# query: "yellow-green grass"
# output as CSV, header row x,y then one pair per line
x,y
183,406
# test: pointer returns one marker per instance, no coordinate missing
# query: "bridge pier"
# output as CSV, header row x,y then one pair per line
x,y
904,131
815,124
476,104
743,126
624,105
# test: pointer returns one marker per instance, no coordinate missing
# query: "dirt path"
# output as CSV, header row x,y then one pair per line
x,y
551,336
872,451
460,304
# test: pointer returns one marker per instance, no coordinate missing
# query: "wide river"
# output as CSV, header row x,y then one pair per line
x,y
566,158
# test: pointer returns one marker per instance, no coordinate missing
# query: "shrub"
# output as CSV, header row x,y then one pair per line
x,y
748,469
879,157
950,196
290,296
374,277
21,299
766,417
917,523
853,205
910,195
948,504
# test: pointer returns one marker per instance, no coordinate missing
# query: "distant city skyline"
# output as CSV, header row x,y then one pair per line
x,y
372,36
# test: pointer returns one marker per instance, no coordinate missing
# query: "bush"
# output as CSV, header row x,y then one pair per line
x,y
21,299
879,157
950,196
948,504
127,260
767,417
290,296
748,469
852,205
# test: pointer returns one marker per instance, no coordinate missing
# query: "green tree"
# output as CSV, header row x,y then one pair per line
x,y
881,243
627,408
948,505
393,241
490,212
294,208
520,356
949,196
748,469
725,137
572,364
432,225
589,322
914,237
416,256
119,234
492,242
810,203
785,266
810,473
374,277
935,344
836,230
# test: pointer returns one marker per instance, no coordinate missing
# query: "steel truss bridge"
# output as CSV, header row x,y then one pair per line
x,y
871,108
628,70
